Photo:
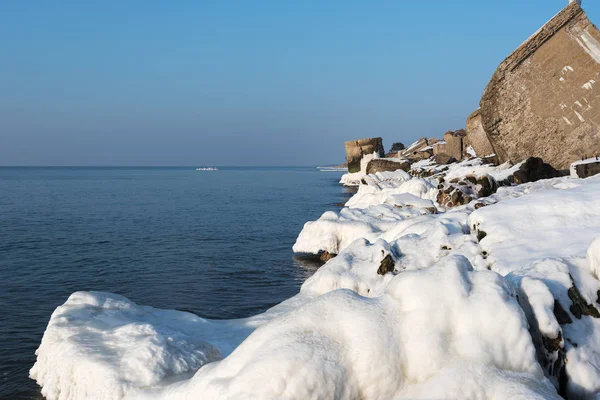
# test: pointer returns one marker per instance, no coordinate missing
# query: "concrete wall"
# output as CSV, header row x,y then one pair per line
x,y
476,136
454,144
544,99
356,149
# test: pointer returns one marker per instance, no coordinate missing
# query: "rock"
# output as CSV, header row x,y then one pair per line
x,y
382,164
326,256
443,159
476,137
561,315
585,170
477,206
532,170
481,235
387,265
453,196
553,345
488,186
579,306
357,149
543,100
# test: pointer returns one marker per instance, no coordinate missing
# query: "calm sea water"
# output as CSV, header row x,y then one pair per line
x,y
214,243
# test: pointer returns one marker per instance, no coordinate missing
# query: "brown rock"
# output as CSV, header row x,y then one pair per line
x,y
387,265
476,137
487,186
443,159
326,256
381,165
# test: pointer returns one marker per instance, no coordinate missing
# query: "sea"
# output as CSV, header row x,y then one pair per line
x,y
214,243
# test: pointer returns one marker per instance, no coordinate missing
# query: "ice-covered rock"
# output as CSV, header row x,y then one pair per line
x,y
102,345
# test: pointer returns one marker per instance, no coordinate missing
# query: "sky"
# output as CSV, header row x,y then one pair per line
x,y
245,83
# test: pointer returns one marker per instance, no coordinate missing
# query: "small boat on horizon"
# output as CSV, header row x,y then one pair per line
x,y
207,169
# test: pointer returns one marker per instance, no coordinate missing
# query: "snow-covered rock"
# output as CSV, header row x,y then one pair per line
x,y
427,330
501,302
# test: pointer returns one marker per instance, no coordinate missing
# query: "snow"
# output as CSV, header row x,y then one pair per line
x,y
590,84
590,45
471,151
593,257
103,346
410,342
468,307
552,222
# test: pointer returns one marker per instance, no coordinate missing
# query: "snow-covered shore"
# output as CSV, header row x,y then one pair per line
x,y
495,299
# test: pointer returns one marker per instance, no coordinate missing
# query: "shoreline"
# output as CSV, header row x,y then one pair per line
x,y
393,250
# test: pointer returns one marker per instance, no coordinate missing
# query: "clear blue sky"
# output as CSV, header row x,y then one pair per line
x,y
224,82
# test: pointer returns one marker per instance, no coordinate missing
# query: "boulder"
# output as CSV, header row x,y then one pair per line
x,y
386,266
486,185
532,170
476,137
585,169
382,164
326,256
357,149
443,158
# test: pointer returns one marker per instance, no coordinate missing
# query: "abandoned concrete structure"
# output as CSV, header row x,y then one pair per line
x,y
476,137
542,100
356,149
452,145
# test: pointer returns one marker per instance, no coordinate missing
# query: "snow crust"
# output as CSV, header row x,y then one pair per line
x,y
344,346
420,303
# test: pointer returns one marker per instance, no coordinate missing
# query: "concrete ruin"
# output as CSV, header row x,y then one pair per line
x,y
420,150
382,165
452,145
542,101
357,149
476,137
